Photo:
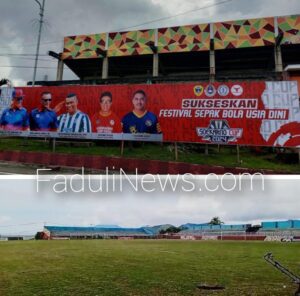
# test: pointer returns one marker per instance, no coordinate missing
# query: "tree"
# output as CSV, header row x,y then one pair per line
x,y
216,221
39,235
170,230
3,81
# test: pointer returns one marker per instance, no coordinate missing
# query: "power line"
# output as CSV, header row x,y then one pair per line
x,y
175,15
34,44
22,54
32,59
29,59
134,26
27,67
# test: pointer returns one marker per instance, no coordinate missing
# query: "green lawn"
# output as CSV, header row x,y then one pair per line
x,y
193,153
109,267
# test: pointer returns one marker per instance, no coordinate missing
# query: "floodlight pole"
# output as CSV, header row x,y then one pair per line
x,y
42,6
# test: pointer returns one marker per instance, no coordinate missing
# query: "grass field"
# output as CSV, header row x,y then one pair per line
x,y
106,267
227,156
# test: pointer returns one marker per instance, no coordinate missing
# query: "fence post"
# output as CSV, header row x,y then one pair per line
x,y
53,144
206,149
122,147
238,153
176,151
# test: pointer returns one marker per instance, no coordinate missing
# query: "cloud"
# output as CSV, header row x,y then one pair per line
x,y
19,27
23,205
243,9
4,219
62,18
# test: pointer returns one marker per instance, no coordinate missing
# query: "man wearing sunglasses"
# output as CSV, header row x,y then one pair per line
x,y
43,118
15,118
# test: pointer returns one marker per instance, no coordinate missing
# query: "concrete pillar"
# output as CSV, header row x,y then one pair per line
x,y
212,76
59,77
60,70
105,68
155,65
212,66
278,59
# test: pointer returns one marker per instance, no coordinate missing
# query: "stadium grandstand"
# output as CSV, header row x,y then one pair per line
x,y
210,227
272,231
267,231
280,229
250,49
60,232
215,232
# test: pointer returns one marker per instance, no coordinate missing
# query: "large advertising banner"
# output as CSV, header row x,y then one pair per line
x,y
233,113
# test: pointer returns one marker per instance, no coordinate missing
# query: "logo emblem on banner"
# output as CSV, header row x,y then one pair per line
x,y
198,90
133,129
148,123
237,90
210,90
223,90
219,131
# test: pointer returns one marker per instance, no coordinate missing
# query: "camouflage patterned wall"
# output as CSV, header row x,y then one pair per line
x,y
244,33
84,46
185,38
234,34
290,27
130,43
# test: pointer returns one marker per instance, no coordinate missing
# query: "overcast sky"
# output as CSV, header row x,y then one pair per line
x,y
18,34
19,24
22,204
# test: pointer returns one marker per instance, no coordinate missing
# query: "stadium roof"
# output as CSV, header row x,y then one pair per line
x,y
184,50
197,37
95,230
292,67
107,226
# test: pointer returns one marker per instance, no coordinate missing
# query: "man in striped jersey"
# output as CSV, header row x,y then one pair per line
x,y
74,121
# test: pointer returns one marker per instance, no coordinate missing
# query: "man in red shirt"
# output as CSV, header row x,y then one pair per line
x,y
106,121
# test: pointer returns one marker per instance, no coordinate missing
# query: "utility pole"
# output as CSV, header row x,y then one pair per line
x,y
42,6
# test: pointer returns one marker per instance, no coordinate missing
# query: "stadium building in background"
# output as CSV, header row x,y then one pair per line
x,y
251,49
266,231
224,83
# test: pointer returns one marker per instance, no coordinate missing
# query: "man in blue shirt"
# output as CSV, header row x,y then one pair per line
x,y
43,118
140,120
15,118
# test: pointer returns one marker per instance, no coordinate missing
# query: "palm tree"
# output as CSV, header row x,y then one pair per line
x,y
216,221
3,81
